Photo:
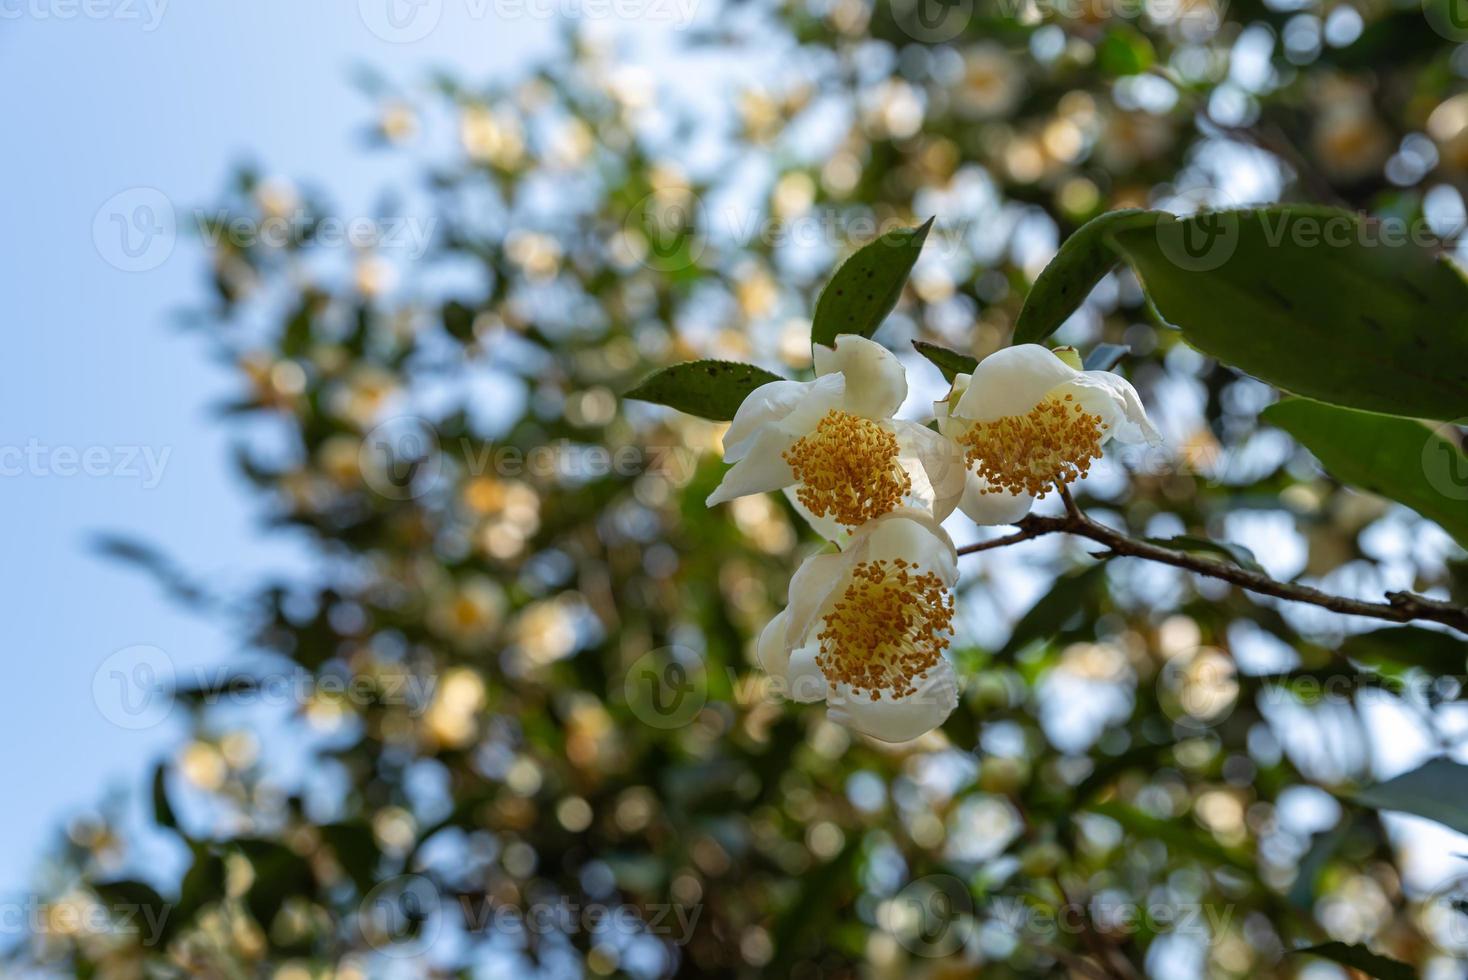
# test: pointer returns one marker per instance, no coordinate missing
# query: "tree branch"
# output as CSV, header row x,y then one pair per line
x,y
1400,607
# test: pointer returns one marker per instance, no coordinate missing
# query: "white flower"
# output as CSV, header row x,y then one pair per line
x,y
866,628
834,447
1028,420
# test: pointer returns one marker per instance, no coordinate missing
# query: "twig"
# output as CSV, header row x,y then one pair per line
x,y
1400,607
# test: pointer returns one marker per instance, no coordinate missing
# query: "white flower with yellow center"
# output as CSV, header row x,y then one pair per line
x,y
833,445
1028,419
866,628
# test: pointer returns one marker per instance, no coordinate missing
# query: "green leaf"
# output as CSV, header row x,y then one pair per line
x,y
1360,958
280,874
709,389
1104,357
1437,790
136,907
1234,554
356,851
163,814
867,286
1400,459
950,362
202,884
1125,51
1315,300
1069,599
1442,654
1064,284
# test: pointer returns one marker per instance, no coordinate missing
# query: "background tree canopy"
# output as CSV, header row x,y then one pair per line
x,y
521,665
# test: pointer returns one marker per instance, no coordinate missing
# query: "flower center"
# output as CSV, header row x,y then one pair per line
x,y
1052,443
847,468
887,630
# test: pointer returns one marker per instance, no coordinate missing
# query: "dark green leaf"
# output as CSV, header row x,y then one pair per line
x,y
1316,300
1104,357
356,851
1401,459
1443,654
280,873
163,813
1323,847
950,362
1438,790
867,286
202,884
1068,599
135,906
1083,259
709,389
1234,554
1361,958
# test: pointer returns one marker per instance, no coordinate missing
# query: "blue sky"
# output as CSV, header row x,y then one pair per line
x,y
104,420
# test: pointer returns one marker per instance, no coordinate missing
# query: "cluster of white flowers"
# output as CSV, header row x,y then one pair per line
x,y
867,625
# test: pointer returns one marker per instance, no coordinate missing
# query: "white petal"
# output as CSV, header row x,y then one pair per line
x,y
876,384
815,583
935,464
898,719
763,469
767,404
910,534
824,395
1113,398
795,674
805,682
1011,382
774,655
1001,507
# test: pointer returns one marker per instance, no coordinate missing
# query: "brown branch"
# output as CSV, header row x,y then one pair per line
x,y
1400,607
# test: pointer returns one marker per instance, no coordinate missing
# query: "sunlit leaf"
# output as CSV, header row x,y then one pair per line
x,y
1400,459
709,389
950,362
1065,283
867,286
1316,300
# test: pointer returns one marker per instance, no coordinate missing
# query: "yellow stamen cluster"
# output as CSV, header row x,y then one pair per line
x,y
887,630
847,468
1053,443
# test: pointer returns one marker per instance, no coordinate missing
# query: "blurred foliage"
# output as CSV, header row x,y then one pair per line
x,y
488,592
